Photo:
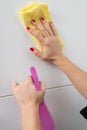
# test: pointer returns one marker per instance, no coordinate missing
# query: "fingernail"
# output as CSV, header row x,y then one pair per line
x,y
28,28
42,18
32,49
33,20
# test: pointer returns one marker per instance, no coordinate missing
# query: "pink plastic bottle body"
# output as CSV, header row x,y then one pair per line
x,y
46,120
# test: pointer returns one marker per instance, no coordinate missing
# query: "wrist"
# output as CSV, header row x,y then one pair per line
x,y
30,112
29,107
61,62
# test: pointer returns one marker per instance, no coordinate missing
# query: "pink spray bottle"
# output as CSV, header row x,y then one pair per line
x,y
46,120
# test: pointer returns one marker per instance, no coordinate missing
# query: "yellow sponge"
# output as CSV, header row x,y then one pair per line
x,y
35,11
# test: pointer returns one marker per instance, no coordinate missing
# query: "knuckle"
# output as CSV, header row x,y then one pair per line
x,y
47,41
37,54
43,29
37,34
32,32
46,25
36,24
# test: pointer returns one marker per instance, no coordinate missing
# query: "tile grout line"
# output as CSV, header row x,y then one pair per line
x,y
57,87
4,96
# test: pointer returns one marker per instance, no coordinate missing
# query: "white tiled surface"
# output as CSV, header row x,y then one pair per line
x,y
63,103
70,18
14,55
10,117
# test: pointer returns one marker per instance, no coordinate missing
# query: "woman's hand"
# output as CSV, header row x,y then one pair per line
x,y
48,37
26,93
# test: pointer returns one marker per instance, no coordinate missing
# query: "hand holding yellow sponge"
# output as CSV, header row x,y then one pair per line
x,y
35,11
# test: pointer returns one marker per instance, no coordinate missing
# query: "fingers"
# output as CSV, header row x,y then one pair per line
x,y
36,52
36,34
53,28
41,28
46,25
42,86
44,30
29,80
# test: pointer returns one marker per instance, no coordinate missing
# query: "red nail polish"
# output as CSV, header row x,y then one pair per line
x,y
28,28
31,49
33,20
42,18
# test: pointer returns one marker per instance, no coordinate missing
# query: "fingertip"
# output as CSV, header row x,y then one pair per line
x,y
31,49
42,83
28,28
42,18
42,86
14,85
30,79
35,51
51,22
33,21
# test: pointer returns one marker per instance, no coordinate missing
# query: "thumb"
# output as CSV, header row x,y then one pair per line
x,y
36,51
42,84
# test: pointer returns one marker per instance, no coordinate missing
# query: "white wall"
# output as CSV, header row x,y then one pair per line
x,y
70,19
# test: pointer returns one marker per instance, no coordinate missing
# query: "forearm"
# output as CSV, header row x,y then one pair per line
x,y
77,76
30,118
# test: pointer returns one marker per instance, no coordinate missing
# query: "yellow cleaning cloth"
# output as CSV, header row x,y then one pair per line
x,y
35,11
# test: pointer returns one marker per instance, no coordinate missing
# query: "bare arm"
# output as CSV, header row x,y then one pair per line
x,y
29,99
77,76
30,118
51,51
